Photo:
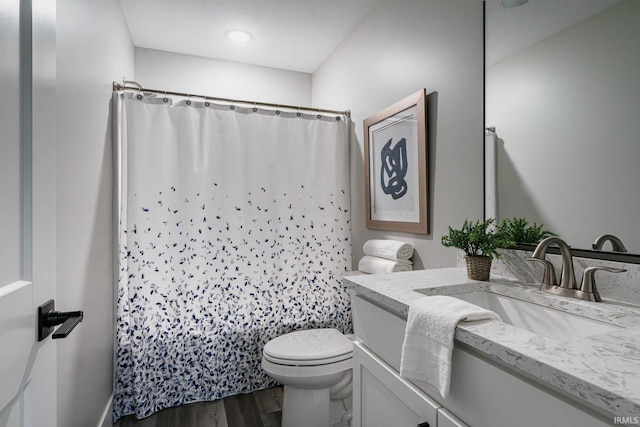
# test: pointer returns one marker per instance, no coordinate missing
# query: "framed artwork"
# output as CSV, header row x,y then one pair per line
x,y
395,157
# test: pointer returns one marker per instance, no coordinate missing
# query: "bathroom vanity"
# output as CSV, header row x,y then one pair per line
x,y
578,363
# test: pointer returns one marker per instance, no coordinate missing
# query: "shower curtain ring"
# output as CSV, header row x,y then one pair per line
x,y
255,108
140,95
206,103
188,99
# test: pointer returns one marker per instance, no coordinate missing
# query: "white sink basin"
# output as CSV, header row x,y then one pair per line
x,y
548,322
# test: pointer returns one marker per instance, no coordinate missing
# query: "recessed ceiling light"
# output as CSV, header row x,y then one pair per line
x,y
512,3
239,36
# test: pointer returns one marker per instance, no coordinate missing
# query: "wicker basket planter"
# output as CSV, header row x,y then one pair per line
x,y
480,243
478,267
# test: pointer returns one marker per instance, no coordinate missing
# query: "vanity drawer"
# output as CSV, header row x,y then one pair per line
x,y
380,330
382,398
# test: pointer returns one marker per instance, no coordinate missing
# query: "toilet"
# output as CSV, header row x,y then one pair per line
x,y
315,368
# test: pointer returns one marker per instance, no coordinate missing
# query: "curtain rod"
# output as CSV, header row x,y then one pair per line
x,y
131,85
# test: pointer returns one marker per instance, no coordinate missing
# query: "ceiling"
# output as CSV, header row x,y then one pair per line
x,y
298,35
289,34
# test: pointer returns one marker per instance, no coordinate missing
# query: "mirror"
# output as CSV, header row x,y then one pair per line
x,y
566,112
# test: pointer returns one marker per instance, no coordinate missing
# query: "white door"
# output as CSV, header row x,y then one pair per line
x,y
27,210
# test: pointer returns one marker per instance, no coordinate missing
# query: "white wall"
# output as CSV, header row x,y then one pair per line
x,y
93,50
566,110
401,47
157,69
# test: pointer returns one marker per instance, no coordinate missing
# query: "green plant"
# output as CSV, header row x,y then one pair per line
x,y
477,238
518,230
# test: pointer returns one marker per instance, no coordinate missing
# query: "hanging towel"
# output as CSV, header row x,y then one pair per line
x,y
428,340
371,264
389,249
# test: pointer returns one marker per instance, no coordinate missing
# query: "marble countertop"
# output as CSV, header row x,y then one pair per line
x,y
601,371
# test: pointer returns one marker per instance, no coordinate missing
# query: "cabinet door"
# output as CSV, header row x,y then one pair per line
x,y
446,419
382,399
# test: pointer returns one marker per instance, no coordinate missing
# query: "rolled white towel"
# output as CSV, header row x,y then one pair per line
x,y
389,249
371,264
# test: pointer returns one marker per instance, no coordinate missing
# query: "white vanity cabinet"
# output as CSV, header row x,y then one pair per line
x,y
382,398
483,393
446,419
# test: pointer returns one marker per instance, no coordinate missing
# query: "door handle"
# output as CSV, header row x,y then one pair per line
x,y
49,318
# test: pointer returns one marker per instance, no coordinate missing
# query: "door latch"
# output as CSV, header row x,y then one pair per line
x,y
48,319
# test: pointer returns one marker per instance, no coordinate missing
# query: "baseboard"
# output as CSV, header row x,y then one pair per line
x,y
107,416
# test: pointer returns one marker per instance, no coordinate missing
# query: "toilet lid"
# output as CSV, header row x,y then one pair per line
x,y
313,344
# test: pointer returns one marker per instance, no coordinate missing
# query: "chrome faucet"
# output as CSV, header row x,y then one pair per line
x,y
587,290
616,243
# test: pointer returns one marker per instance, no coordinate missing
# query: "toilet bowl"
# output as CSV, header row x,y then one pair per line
x,y
315,367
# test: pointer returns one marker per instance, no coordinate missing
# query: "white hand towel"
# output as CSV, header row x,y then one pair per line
x,y
389,249
428,340
371,264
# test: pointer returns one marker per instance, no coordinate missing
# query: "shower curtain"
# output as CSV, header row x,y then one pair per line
x,y
233,228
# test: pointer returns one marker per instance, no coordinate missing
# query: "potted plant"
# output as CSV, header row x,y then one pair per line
x,y
480,243
518,230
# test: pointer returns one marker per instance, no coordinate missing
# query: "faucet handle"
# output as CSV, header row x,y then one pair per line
x,y
549,275
589,281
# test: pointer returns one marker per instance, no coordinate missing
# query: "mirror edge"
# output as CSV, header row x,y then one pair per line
x,y
623,257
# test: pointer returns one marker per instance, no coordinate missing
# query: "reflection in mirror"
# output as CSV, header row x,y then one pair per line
x,y
566,109
616,243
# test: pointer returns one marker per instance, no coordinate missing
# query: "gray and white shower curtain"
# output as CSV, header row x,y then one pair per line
x,y
233,228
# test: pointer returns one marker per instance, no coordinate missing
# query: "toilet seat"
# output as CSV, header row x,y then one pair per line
x,y
315,366
314,347
311,362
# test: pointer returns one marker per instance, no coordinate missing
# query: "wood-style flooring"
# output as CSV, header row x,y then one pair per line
x,y
261,408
